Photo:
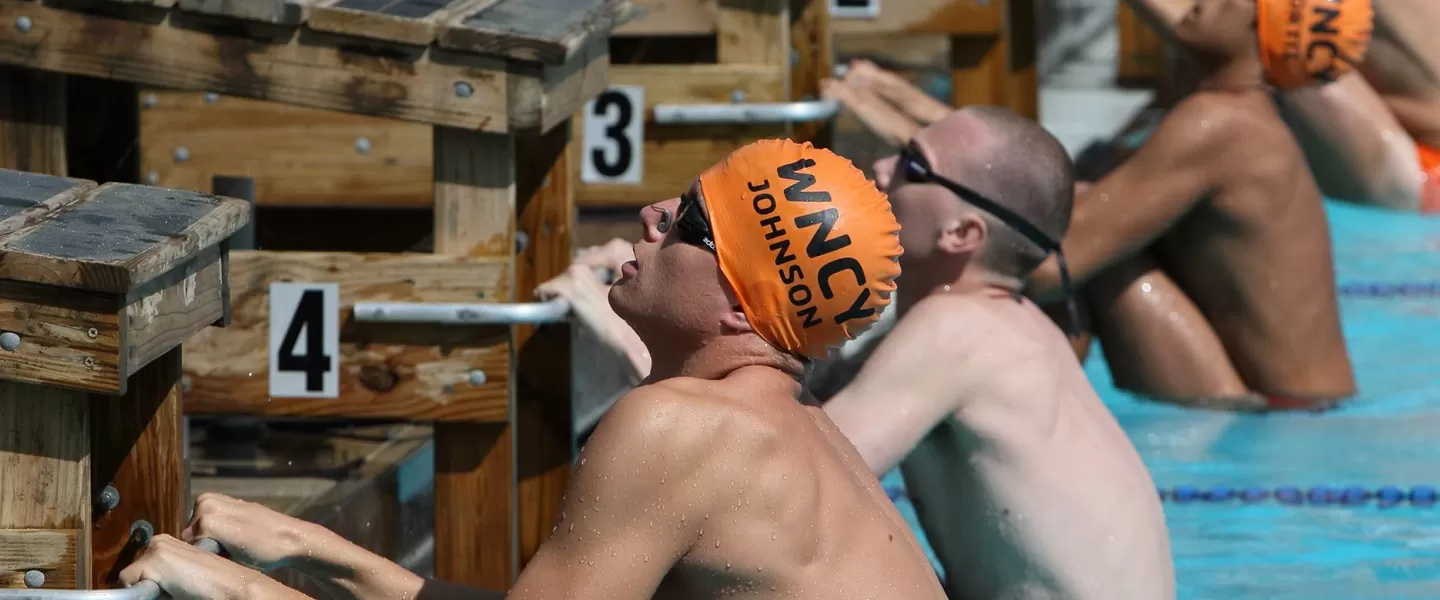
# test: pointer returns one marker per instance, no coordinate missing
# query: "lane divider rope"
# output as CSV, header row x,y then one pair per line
x,y
1390,289
1322,495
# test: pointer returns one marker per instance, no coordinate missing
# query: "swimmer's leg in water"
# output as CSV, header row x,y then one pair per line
x,y
1355,147
1158,344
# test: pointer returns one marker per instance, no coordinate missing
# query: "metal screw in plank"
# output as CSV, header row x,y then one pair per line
x,y
151,100
141,532
737,96
23,24
463,89
108,499
34,578
9,341
477,377
182,154
211,97
522,241
362,145
152,178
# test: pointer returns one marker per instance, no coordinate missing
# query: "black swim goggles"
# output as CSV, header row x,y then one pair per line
x,y
690,225
915,169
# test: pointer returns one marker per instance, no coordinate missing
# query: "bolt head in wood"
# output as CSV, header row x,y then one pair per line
x,y
477,377
182,154
34,578
23,24
362,145
9,341
463,89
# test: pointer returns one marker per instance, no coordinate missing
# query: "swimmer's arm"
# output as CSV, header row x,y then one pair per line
x,y
1124,213
878,116
916,377
623,521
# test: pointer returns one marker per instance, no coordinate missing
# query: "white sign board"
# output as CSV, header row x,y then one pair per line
x,y
855,9
614,146
304,340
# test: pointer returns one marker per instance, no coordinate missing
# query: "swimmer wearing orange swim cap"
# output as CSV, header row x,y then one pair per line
x,y
1307,42
806,241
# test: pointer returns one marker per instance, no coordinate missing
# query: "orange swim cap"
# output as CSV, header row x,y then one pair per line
x,y
807,242
1303,42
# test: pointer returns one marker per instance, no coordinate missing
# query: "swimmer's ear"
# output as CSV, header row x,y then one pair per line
x,y
733,319
964,235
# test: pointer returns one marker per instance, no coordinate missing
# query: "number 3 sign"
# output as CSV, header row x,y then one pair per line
x,y
615,136
304,340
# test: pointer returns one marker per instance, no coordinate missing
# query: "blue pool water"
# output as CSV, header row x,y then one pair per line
x,y
1390,435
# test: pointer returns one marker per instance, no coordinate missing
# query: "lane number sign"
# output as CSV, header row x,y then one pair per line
x,y
855,9
304,340
614,144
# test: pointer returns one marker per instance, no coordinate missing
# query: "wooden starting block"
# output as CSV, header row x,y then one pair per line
x,y
992,44
99,285
493,84
691,82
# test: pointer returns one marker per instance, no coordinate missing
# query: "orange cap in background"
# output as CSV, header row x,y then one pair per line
x,y
807,242
1308,42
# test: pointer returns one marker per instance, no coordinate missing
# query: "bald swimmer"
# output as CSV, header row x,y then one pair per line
x,y
980,394
1373,137
711,479
1206,256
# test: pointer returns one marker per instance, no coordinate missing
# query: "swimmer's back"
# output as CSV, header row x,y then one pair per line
x,y
1031,489
779,504
1255,255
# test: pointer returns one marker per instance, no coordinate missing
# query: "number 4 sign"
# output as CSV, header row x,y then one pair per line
x,y
304,340
614,148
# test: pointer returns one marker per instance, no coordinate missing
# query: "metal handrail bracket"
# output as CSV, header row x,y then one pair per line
x,y
145,590
746,113
498,313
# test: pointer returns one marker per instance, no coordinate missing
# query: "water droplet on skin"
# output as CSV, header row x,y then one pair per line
x,y
647,558
572,527
772,536
1204,124
727,565
662,481
717,543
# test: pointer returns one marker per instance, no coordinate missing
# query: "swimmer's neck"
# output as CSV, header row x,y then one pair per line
x,y
1236,74
718,357
973,282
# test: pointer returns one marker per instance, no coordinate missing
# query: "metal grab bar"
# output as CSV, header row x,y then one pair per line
x,y
499,313
145,590
713,114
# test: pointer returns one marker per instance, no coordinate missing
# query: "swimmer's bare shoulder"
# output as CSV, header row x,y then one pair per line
x,y
657,466
637,497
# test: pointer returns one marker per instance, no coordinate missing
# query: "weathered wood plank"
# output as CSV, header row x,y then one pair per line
x,y
278,12
416,22
67,339
475,468
544,439
671,17
53,552
555,92
45,462
27,199
548,32
702,84
814,55
32,120
970,17
138,446
755,32
163,320
120,236
296,155
396,371
292,65
674,156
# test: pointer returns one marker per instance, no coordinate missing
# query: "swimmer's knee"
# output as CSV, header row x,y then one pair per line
x,y
1118,279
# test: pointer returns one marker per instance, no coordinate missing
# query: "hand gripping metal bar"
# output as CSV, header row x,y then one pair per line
x,y
145,590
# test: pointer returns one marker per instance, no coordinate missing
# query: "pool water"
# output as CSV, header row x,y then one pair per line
x,y
1389,435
